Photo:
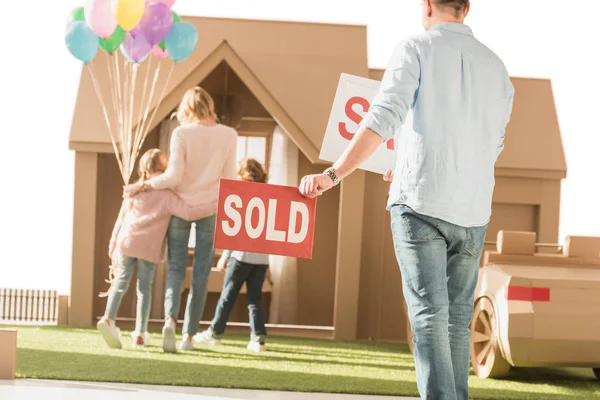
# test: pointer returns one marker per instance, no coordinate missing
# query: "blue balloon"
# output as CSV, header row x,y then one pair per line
x,y
82,41
181,41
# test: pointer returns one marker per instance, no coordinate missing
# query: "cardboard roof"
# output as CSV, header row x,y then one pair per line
x,y
533,140
295,66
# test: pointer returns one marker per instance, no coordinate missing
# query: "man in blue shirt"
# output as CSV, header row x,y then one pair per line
x,y
440,199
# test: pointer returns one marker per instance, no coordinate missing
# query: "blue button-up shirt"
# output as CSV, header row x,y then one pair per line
x,y
460,96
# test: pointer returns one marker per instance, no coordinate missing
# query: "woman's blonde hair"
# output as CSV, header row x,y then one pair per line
x,y
150,163
251,170
197,104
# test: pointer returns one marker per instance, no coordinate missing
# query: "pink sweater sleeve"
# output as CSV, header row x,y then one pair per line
x,y
178,208
174,173
117,228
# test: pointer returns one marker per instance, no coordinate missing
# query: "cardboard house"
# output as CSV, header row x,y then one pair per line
x,y
275,83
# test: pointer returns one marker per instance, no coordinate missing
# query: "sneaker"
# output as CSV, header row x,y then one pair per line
x,y
169,338
145,336
138,342
256,347
110,333
186,345
206,337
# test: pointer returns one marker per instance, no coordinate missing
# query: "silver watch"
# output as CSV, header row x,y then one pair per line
x,y
330,172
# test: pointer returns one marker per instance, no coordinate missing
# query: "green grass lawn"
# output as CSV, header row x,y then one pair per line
x,y
290,364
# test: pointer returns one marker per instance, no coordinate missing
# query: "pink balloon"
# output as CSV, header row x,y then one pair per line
x,y
168,3
99,16
160,53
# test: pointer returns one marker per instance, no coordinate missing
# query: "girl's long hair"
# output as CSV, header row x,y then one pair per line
x,y
150,163
251,170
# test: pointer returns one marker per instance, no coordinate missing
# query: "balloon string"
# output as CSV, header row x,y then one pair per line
x,y
124,108
141,106
119,99
143,129
127,104
134,69
158,104
102,103
112,85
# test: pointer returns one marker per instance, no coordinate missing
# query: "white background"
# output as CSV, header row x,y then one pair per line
x,y
555,39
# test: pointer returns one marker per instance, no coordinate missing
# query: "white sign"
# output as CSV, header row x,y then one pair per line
x,y
352,101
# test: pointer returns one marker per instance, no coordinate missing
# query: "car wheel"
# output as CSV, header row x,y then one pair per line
x,y
597,372
486,357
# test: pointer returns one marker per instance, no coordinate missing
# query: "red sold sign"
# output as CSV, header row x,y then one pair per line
x,y
268,219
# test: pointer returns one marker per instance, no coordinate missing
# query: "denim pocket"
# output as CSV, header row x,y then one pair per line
x,y
475,240
417,228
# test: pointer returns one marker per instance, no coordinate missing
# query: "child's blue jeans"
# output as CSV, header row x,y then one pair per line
x,y
235,275
144,290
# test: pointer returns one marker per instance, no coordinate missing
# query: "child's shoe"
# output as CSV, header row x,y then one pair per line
x,y
207,337
145,337
110,333
256,347
169,338
138,342
186,345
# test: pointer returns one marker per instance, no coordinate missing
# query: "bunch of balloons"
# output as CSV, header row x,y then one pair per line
x,y
136,27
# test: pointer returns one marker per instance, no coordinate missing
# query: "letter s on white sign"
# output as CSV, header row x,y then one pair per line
x,y
233,214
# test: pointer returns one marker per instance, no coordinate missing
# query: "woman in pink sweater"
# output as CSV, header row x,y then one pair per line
x,y
202,152
139,236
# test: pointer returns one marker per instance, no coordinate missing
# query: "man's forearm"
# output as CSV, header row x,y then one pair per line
x,y
363,145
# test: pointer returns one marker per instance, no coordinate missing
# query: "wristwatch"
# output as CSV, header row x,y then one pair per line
x,y
330,172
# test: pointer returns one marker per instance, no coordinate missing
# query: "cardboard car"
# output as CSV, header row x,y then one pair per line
x,y
535,309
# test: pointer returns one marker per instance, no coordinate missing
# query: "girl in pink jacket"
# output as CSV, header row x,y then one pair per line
x,y
139,237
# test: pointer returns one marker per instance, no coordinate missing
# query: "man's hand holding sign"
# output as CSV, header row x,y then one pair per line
x,y
363,149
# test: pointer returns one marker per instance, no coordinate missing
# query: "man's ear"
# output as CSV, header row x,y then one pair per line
x,y
428,8
467,9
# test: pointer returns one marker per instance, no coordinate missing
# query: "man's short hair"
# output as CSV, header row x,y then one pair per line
x,y
457,6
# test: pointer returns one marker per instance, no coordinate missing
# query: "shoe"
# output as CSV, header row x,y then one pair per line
x,y
186,345
138,342
145,336
110,333
257,347
206,337
169,338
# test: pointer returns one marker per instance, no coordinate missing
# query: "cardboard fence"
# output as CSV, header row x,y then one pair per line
x,y
264,218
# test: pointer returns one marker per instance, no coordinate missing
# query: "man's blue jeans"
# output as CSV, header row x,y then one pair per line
x,y
178,237
439,262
